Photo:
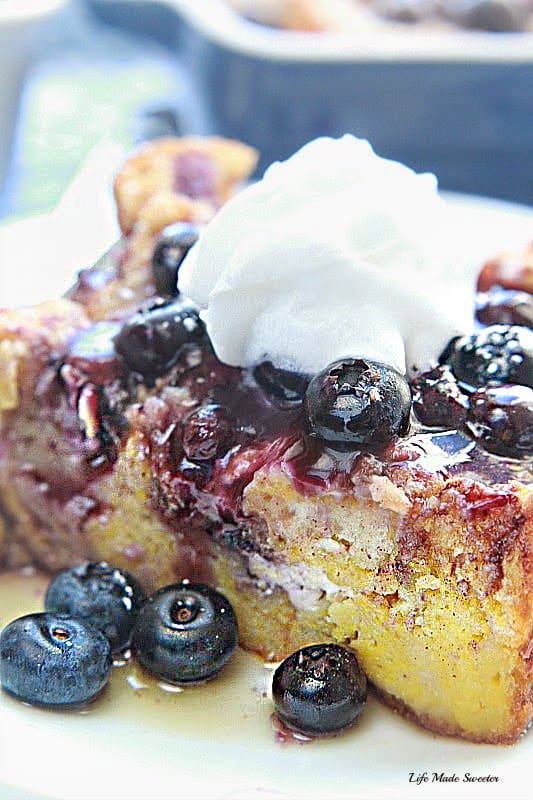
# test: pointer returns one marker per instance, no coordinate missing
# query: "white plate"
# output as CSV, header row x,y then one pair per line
x,y
216,742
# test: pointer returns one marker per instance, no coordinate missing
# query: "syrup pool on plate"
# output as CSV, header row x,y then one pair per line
x,y
237,701
236,705
216,740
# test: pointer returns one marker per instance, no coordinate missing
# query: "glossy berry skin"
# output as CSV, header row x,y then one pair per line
x,y
438,400
496,355
208,433
185,633
356,402
319,690
103,596
504,307
151,340
169,253
284,388
501,419
53,660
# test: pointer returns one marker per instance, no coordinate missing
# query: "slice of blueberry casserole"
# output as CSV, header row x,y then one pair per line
x,y
294,393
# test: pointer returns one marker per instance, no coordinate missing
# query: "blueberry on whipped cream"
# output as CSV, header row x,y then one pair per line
x,y
358,402
284,388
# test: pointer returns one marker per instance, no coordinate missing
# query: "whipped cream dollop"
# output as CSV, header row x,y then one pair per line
x,y
336,252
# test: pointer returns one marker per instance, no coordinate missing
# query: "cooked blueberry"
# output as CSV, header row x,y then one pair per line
x,y
103,596
53,660
208,433
505,307
169,252
151,340
284,388
487,15
358,402
319,689
498,354
406,10
501,419
438,400
92,352
185,633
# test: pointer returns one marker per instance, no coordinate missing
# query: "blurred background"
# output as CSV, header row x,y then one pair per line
x,y
444,85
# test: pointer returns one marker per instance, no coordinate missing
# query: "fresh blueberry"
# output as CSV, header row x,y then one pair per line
x,y
284,388
319,690
169,253
498,354
151,340
504,307
501,419
53,660
105,597
185,633
438,400
208,433
357,402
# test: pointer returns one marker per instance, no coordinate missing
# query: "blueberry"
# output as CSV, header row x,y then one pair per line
x,y
319,689
487,15
438,400
151,340
53,660
498,354
406,10
357,402
185,633
169,253
501,419
92,352
208,433
504,306
284,388
103,596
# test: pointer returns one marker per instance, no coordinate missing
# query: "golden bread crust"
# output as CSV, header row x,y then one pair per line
x,y
151,173
147,202
511,269
28,338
